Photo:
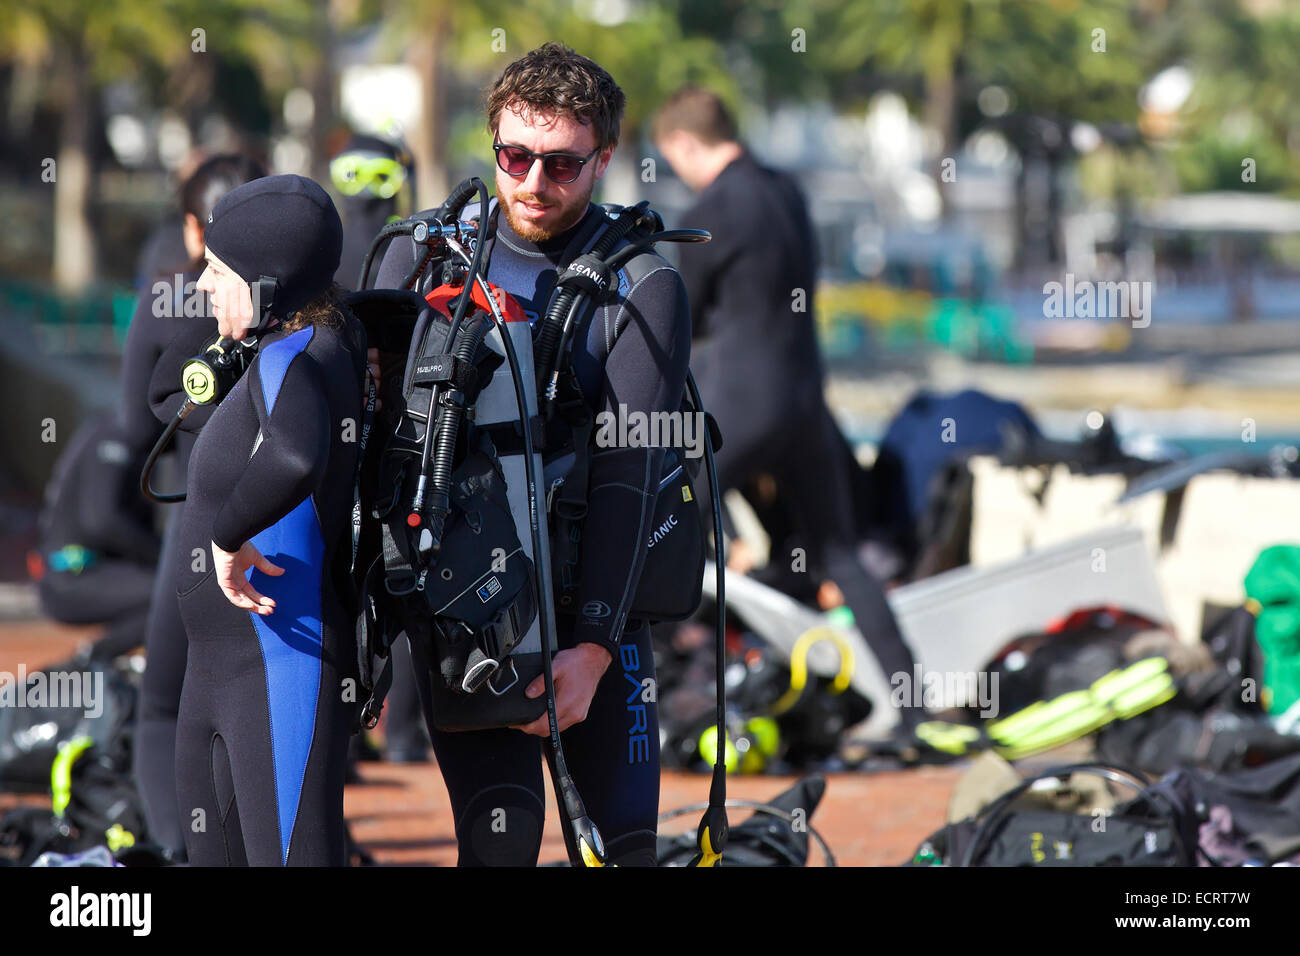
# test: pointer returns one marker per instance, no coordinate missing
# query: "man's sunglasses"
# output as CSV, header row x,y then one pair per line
x,y
559,167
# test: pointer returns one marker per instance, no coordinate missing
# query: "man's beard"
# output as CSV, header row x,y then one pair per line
x,y
535,233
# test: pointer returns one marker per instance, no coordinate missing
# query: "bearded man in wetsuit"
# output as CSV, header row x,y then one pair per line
x,y
555,119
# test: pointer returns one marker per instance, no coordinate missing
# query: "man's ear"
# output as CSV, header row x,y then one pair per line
x,y
602,161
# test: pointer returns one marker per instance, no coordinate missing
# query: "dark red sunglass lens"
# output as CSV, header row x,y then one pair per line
x,y
515,161
562,169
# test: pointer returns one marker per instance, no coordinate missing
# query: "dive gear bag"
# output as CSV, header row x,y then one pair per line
x,y
1147,830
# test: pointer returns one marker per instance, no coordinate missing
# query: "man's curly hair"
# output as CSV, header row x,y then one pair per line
x,y
554,80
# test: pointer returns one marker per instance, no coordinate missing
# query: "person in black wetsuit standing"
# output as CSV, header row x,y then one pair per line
x,y
756,360
171,316
265,720
555,116
376,179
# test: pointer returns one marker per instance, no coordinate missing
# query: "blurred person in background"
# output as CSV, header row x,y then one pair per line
x,y
755,355
97,545
172,315
375,179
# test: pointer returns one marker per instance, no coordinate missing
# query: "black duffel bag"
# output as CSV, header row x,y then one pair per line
x,y
1147,830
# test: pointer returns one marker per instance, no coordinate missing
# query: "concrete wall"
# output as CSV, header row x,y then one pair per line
x,y
1225,521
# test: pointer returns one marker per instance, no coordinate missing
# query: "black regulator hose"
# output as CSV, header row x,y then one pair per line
x,y
464,191
462,306
668,235
446,212
451,412
711,836
547,384
582,839
549,338
160,445
403,227
205,379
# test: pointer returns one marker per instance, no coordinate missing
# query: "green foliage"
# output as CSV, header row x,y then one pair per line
x,y
648,54
1243,102
1214,163
1041,51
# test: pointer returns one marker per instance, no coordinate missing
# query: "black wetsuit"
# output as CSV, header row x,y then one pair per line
x,y
171,317
97,542
760,375
363,217
265,714
634,351
162,254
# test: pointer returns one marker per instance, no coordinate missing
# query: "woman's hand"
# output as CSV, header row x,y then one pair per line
x,y
577,671
231,577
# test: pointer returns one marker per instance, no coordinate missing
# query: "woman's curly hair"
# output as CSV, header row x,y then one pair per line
x,y
322,310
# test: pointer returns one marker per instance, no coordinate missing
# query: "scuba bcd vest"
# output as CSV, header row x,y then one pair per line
x,y
441,557
437,559
443,551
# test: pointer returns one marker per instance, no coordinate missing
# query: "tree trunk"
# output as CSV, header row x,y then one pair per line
x,y
75,251
429,138
941,115
324,93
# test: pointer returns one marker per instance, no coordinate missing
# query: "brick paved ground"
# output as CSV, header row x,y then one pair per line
x,y
402,815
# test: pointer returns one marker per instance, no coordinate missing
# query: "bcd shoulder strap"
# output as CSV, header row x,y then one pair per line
x,y
567,500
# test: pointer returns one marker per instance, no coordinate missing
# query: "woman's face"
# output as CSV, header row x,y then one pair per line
x,y
232,301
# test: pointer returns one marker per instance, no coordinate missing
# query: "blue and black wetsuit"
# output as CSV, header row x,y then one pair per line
x,y
633,351
265,714
172,320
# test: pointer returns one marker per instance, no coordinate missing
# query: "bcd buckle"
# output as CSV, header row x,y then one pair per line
x,y
514,677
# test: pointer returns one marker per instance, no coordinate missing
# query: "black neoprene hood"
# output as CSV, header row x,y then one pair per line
x,y
284,227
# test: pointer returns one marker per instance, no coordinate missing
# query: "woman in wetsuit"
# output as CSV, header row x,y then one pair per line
x,y
172,317
265,716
